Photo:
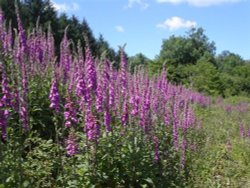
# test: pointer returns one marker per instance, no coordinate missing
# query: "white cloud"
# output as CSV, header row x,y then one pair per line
x,y
119,29
63,7
141,3
199,3
175,23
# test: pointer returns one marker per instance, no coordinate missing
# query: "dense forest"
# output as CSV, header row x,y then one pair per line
x,y
184,57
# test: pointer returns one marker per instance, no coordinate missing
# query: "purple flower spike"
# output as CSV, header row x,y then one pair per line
x,y
107,120
54,97
91,72
81,91
24,117
125,114
99,98
2,26
123,74
1,17
70,114
72,146
6,99
91,127
175,122
21,34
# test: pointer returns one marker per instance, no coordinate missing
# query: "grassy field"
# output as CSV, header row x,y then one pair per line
x,y
223,158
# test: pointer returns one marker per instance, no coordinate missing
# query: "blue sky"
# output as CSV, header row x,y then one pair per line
x,y
143,24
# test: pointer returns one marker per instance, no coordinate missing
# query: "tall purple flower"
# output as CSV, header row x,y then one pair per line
x,y
91,127
71,145
6,98
54,97
24,116
175,120
145,110
2,26
65,57
185,126
5,104
134,102
107,119
123,73
90,72
8,40
21,34
99,98
70,114
81,90
1,17
125,114
167,117
111,93
106,76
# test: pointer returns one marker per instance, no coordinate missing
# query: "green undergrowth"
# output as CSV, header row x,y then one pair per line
x,y
223,159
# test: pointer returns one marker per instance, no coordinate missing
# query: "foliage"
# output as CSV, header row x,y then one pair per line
x,y
138,61
222,159
76,121
191,60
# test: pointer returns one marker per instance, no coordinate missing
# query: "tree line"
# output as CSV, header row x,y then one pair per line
x,y
191,60
42,12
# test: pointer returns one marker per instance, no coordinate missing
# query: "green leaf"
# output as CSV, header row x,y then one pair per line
x,y
150,181
130,148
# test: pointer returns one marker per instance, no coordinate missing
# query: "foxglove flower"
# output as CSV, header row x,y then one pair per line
x,y
123,73
111,94
71,145
70,114
2,26
134,102
175,121
106,75
242,130
54,97
91,72
91,127
81,90
1,17
167,118
145,111
6,98
125,114
99,98
65,56
107,119
24,116
21,33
